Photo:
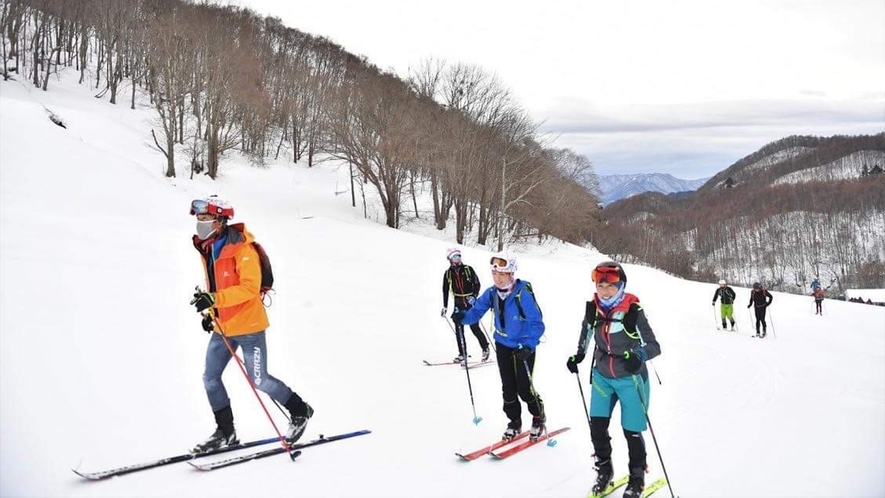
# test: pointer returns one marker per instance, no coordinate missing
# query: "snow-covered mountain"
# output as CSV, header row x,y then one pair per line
x,y
616,187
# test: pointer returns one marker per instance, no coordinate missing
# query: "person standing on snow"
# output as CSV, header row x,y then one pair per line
x,y
624,341
818,300
728,296
465,286
233,312
518,330
761,298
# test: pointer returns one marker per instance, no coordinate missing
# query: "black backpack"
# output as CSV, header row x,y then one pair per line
x,y
266,269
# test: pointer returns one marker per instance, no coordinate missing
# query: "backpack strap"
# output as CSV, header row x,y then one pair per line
x,y
528,286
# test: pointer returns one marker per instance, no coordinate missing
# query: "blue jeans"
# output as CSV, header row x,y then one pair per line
x,y
254,348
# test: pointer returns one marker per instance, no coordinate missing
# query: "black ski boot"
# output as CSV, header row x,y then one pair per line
x,y
300,413
604,475
224,434
514,427
539,427
636,484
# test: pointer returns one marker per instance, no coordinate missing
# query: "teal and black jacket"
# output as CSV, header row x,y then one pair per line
x,y
624,328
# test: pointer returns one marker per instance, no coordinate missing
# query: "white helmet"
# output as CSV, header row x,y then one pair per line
x,y
722,282
503,263
452,252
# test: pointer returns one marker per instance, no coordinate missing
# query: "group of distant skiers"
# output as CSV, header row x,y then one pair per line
x,y
614,319
760,300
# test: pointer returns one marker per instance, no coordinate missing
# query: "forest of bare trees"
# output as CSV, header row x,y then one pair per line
x,y
758,228
224,79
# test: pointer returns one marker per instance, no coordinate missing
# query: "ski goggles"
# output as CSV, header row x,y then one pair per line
x,y
607,274
199,206
455,257
499,263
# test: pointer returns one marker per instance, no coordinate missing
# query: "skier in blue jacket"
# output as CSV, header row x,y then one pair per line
x,y
518,330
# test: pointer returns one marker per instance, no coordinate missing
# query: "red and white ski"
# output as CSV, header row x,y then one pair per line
x,y
494,446
512,450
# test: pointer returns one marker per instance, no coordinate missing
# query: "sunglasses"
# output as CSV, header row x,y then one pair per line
x,y
606,274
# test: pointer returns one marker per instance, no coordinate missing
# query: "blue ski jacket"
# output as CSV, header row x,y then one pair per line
x,y
511,329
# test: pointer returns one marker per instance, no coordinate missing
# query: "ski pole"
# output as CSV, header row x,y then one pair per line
x,y
528,373
715,320
771,317
584,401
251,384
652,431
489,339
460,336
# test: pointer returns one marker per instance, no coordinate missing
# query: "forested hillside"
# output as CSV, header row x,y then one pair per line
x,y
798,208
224,80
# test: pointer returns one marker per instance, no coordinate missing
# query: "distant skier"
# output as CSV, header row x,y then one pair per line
x,y
624,341
761,299
728,296
815,284
518,330
819,295
464,282
233,312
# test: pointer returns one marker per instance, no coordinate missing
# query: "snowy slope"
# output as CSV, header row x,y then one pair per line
x,y
101,355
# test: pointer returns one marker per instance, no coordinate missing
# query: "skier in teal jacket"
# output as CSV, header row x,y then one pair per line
x,y
624,341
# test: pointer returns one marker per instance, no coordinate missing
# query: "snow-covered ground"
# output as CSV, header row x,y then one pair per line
x,y
101,356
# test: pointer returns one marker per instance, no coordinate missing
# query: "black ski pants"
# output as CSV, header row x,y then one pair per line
x,y
602,445
760,318
477,332
515,382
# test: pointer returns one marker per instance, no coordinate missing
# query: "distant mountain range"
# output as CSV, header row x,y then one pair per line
x,y
799,207
616,187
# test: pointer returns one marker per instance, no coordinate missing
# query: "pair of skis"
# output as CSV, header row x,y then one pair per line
x,y
188,457
618,483
507,448
471,364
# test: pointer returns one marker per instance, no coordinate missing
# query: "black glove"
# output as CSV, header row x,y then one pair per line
x,y
572,363
714,303
203,301
524,353
444,311
457,316
633,360
748,306
208,324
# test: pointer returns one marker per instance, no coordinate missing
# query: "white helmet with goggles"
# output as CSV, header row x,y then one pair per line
x,y
453,253
503,263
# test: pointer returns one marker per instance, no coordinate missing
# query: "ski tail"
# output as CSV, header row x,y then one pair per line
x,y
105,474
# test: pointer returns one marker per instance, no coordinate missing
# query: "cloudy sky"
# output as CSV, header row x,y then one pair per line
x,y
685,87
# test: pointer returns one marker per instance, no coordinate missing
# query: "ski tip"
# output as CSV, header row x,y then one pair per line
x,y
85,475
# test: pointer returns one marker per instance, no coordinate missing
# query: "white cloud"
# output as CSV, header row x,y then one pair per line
x,y
662,57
